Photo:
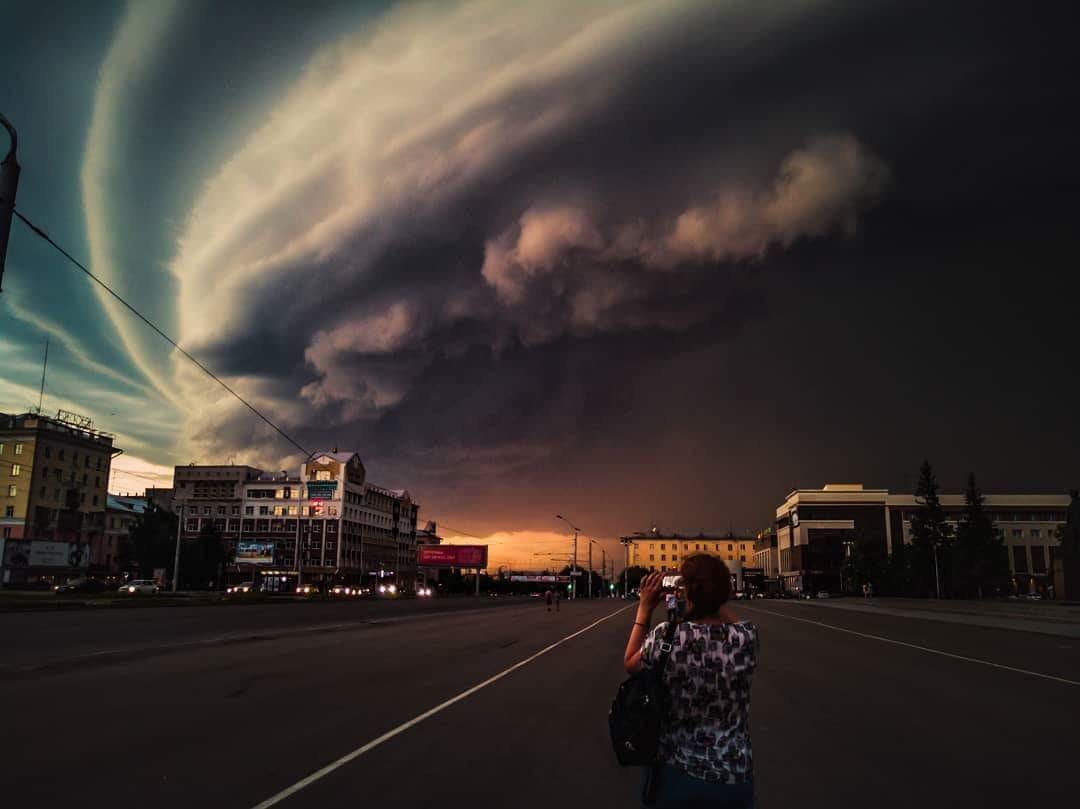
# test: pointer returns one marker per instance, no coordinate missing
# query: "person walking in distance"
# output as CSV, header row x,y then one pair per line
x,y
548,598
705,755
671,601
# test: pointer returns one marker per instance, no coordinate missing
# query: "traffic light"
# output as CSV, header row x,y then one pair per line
x,y
611,586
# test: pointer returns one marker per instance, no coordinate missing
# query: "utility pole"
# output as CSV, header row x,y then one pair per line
x,y
937,574
9,184
573,586
603,571
176,558
590,569
299,509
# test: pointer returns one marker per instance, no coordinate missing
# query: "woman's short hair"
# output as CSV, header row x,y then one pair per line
x,y
708,584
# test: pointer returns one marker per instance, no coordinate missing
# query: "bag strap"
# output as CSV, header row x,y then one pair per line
x,y
665,646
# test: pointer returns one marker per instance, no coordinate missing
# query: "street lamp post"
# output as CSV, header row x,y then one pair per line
x,y
573,572
176,555
9,184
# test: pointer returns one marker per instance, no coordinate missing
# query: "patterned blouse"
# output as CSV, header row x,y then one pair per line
x,y
708,674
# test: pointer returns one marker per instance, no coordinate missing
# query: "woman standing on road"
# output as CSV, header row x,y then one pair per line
x,y
705,752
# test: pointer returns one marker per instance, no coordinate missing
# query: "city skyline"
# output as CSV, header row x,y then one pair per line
x,y
636,263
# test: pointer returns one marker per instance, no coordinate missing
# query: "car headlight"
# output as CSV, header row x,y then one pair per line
x,y
393,588
131,589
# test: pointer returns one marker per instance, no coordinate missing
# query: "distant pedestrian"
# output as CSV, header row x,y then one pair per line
x,y
869,591
705,755
548,597
671,601
866,591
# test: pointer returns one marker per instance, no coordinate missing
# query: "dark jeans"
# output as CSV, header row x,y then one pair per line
x,y
674,789
672,616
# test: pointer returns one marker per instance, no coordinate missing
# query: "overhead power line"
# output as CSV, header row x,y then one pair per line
x,y
38,231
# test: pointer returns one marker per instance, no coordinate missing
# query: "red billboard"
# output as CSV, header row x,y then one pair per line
x,y
452,556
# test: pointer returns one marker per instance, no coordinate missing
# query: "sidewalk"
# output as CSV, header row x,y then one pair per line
x,y
1048,618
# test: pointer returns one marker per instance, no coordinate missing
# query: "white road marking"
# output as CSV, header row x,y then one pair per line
x,y
920,648
416,720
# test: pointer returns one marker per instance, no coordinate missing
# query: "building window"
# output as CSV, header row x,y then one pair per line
x,y
742,557
16,470
9,511
11,490
1038,559
264,510
236,510
663,556
322,474
249,511
221,509
663,547
730,548
1017,532
1036,533
60,456
97,482
95,499
48,452
7,530
1020,562
18,449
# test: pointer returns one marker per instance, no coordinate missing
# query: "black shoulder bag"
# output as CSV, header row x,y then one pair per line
x,y
639,709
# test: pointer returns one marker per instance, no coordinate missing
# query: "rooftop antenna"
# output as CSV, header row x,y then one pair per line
x,y
44,365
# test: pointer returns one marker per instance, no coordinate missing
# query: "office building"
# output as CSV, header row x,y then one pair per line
x,y
344,528
53,477
814,526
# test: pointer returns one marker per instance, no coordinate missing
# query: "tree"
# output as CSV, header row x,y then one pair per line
x,y
202,561
931,537
151,543
634,575
981,559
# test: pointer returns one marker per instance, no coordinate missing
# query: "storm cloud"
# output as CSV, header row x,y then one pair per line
x,y
621,256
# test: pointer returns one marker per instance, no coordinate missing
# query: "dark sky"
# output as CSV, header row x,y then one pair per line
x,y
635,263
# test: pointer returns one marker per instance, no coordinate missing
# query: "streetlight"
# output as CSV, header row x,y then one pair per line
x,y
9,183
573,572
591,543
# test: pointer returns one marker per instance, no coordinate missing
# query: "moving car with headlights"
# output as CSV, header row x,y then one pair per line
x,y
242,587
387,590
80,586
424,592
307,590
344,590
139,587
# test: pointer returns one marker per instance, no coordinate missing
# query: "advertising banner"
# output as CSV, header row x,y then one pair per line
x,y
254,553
58,554
321,489
543,578
452,556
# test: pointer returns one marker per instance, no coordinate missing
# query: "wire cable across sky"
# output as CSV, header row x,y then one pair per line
x,y
42,234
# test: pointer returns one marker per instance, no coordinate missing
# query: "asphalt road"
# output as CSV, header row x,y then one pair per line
x,y
848,709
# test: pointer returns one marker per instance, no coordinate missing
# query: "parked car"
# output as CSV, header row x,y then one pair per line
x,y
823,594
388,590
307,590
243,587
80,586
141,587
343,590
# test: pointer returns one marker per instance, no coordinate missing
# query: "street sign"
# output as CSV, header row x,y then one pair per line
x,y
542,578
